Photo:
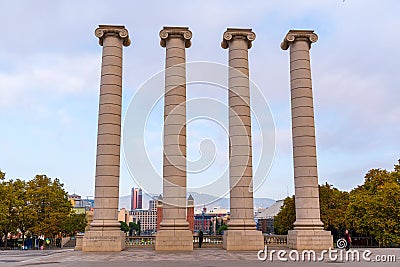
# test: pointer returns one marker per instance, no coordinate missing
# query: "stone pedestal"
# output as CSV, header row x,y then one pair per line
x,y
79,242
308,229
104,233
241,233
309,239
106,241
174,233
241,240
174,240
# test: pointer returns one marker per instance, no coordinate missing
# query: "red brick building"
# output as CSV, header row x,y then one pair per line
x,y
189,212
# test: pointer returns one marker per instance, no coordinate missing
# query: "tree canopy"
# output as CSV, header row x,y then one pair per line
x,y
74,223
50,202
221,229
133,227
286,217
333,203
124,227
372,209
37,207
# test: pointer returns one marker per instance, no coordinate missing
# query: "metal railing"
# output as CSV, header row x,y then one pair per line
x,y
140,241
209,241
275,240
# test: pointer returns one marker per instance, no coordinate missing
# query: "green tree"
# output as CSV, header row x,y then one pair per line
x,y
333,203
74,223
283,221
124,226
133,227
50,202
9,207
39,206
3,205
26,217
333,207
221,229
374,207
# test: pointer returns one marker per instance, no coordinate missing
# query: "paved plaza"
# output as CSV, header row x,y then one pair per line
x,y
149,257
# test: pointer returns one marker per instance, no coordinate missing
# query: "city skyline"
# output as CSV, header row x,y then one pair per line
x,y
49,84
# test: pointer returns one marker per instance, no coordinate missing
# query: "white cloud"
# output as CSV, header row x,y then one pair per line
x,y
42,77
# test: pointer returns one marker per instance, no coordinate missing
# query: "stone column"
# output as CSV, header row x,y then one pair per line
x,y
308,229
105,233
241,233
174,234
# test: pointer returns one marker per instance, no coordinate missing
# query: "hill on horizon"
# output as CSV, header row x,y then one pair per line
x,y
200,199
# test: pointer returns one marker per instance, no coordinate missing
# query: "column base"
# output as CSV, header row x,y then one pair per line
x,y
243,240
79,242
111,240
174,240
309,239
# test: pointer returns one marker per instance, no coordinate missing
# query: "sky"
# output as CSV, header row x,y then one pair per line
x,y
50,73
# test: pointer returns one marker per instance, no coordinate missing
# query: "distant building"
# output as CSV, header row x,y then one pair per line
x,y
136,199
265,217
209,221
153,204
125,216
147,218
189,212
79,205
159,211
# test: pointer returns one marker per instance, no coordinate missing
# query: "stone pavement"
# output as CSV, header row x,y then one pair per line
x,y
149,257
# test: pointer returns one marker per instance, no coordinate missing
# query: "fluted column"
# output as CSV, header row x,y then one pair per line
x,y
304,145
174,231
105,224
241,234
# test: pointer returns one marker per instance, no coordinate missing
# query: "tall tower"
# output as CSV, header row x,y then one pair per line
x,y
136,198
133,199
140,199
190,212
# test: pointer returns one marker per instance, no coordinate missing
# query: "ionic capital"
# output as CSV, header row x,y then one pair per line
x,y
294,35
232,33
105,30
176,32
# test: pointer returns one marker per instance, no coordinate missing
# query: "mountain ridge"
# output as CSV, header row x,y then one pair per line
x,y
200,200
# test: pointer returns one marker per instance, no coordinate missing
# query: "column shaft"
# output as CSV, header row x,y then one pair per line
x,y
241,233
109,135
174,234
240,164
308,230
174,167
104,233
303,134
